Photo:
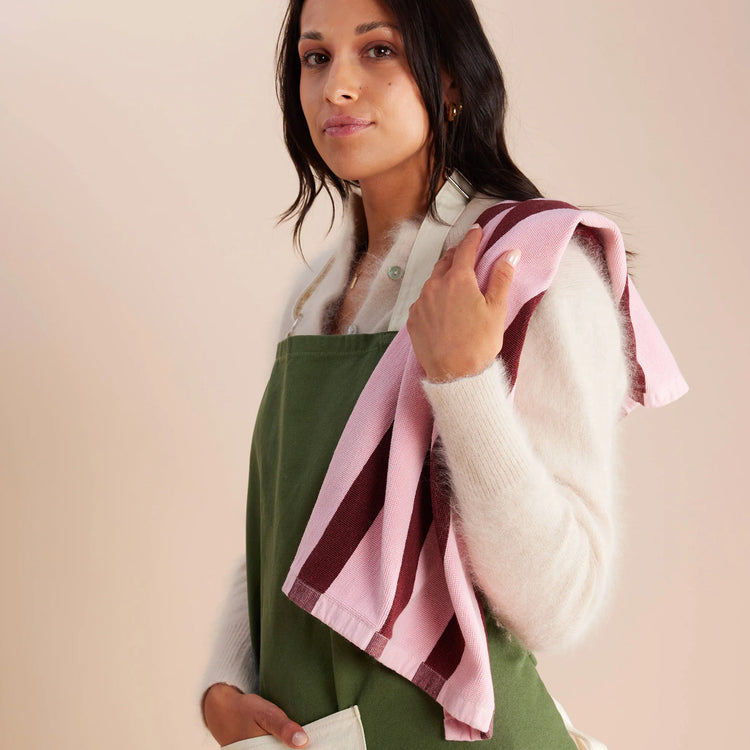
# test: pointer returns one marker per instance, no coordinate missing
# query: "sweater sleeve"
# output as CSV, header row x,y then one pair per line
x,y
232,660
533,478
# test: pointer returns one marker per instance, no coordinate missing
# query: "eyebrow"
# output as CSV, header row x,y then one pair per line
x,y
363,28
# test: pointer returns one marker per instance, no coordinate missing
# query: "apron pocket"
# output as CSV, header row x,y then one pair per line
x,y
340,731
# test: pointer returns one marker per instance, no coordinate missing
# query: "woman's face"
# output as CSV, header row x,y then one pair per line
x,y
362,105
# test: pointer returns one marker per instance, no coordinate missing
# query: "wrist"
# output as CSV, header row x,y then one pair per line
x,y
217,693
438,375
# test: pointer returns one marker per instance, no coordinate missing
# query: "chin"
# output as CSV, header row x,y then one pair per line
x,y
348,172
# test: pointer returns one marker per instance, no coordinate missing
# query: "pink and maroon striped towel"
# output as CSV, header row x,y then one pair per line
x,y
379,561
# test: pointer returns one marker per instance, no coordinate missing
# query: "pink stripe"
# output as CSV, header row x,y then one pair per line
x,y
664,382
426,615
366,576
637,376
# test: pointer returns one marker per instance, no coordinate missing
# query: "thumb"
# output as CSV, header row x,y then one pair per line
x,y
501,277
274,721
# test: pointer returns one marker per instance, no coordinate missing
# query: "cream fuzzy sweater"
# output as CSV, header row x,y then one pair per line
x,y
534,480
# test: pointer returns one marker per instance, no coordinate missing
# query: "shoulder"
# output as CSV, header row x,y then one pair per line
x,y
582,271
580,290
577,329
477,206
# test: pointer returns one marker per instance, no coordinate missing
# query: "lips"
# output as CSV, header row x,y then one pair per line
x,y
341,126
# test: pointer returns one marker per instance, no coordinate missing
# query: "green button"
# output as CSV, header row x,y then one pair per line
x,y
395,273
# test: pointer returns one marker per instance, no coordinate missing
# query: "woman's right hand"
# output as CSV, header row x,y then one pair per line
x,y
232,716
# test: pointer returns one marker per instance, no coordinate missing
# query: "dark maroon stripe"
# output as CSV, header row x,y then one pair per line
x,y
442,661
377,645
447,653
351,521
429,681
520,212
303,596
487,216
514,337
441,498
419,526
637,376
590,238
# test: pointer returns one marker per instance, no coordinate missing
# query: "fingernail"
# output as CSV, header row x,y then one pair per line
x,y
475,226
299,739
513,257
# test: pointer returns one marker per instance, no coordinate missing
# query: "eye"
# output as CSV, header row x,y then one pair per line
x,y
379,51
313,59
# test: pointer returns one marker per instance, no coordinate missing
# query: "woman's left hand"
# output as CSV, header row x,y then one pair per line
x,y
455,329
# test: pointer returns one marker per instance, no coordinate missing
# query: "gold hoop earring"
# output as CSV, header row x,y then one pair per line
x,y
453,111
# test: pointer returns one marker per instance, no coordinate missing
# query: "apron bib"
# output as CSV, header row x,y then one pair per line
x,y
304,667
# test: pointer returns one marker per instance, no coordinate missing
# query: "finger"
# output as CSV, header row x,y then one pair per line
x,y
501,277
274,721
444,263
466,250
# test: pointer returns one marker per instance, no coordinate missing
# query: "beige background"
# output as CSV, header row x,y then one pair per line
x,y
141,278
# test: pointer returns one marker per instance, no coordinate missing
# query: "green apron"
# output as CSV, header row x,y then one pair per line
x,y
304,666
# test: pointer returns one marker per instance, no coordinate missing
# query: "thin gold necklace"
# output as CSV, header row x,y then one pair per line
x,y
360,253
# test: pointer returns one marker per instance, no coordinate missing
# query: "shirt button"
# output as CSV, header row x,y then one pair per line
x,y
352,329
395,273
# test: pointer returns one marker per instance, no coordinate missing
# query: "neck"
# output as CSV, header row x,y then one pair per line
x,y
389,200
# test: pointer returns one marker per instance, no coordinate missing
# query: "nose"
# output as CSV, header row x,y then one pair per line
x,y
342,84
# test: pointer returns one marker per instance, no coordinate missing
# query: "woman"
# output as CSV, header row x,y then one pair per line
x,y
398,107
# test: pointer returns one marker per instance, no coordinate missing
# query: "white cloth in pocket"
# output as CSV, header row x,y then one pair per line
x,y
339,731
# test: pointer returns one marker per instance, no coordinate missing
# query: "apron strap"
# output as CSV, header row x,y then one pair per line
x,y
428,247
